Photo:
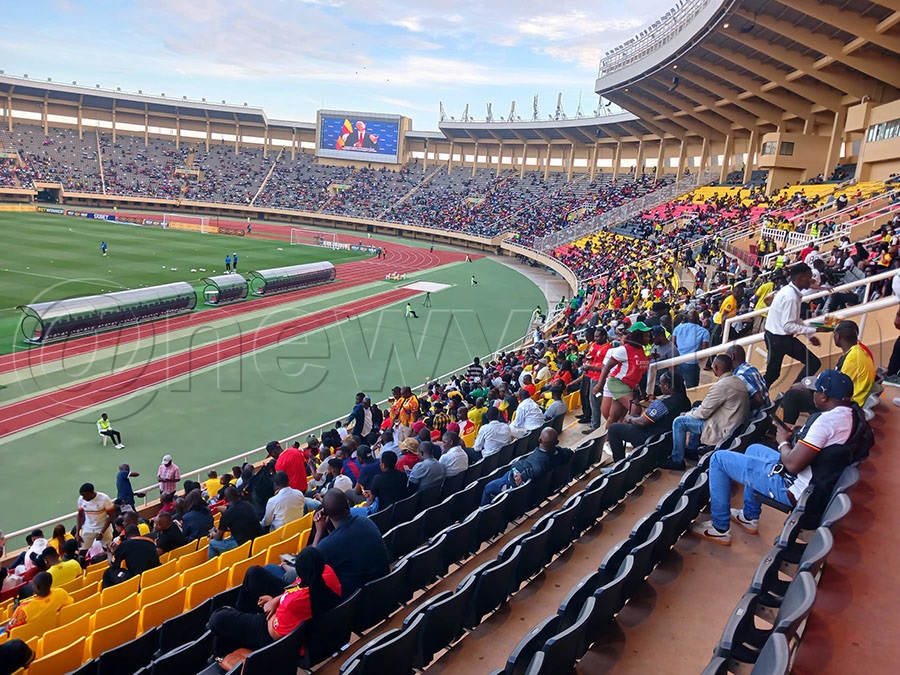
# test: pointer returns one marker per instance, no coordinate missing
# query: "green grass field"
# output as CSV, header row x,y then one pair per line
x,y
239,404
50,257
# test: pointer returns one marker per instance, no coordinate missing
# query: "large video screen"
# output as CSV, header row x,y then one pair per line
x,y
366,137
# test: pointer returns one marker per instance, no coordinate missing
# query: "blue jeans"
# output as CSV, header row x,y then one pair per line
x,y
217,546
365,511
495,487
690,373
680,428
752,470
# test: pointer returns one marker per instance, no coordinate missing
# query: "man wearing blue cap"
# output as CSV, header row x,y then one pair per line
x,y
815,455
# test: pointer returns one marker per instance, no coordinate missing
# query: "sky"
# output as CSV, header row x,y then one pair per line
x,y
294,57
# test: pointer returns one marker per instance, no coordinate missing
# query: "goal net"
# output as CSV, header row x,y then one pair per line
x,y
200,224
312,237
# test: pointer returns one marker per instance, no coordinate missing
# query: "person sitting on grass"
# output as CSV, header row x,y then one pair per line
x,y
266,611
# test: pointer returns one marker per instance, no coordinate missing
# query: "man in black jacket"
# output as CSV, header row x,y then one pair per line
x,y
546,457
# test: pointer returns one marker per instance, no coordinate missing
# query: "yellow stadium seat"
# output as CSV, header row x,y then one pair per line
x,y
63,660
34,628
202,590
165,557
158,591
159,574
20,671
87,606
239,569
228,558
297,526
154,613
94,574
291,546
113,594
111,636
190,547
65,635
264,541
115,612
192,560
201,571
89,589
73,585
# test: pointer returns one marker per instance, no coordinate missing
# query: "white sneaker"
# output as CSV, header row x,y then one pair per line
x,y
120,446
897,401
750,526
707,531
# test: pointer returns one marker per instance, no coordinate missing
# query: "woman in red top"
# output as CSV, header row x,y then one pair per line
x,y
265,611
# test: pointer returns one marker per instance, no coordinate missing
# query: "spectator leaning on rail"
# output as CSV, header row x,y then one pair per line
x,y
543,459
724,407
836,436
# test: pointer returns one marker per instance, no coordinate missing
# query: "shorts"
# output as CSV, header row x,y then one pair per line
x,y
616,389
88,538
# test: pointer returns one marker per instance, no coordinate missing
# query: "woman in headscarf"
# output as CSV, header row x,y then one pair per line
x,y
266,611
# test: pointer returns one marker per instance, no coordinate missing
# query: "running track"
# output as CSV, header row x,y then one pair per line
x,y
46,407
400,258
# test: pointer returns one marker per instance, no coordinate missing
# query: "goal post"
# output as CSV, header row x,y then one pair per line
x,y
200,224
299,236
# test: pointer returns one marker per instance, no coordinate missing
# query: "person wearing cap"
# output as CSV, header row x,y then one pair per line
x,y
410,457
830,441
725,407
856,362
783,325
623,368
168,475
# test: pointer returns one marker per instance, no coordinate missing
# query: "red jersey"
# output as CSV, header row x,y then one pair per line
x,y
594,358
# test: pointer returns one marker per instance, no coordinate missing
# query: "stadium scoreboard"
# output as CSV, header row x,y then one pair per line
x,y
356,136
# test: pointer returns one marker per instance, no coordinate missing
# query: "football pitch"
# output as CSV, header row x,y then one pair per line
x,y
50,257
202,414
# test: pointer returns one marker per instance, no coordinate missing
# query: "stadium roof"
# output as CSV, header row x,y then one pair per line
x,y
578,130
712,67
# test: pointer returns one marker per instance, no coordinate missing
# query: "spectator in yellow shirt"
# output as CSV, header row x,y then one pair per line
x,y
46,600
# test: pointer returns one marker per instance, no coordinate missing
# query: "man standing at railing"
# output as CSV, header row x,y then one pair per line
x,y
783,325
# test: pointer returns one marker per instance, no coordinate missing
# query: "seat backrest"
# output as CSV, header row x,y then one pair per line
x,y
277,658
698,496
492,587
642,527
391,656
425,565
645,556
405,510
189,658
568,646
775,656
816,551
402,539
612,593
131,656
839,507
443,622
571,605
490,520
325,634
379,598
528,646
563,531
535,548
383,518
591,506
615,488
797,603
184,628
674,524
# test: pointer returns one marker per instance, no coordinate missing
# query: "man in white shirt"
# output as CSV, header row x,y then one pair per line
x,y
816,456
529,415
455,461
286,505
493,433
95,517
783,325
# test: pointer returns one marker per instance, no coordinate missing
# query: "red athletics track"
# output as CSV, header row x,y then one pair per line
x,y
43,408
400,258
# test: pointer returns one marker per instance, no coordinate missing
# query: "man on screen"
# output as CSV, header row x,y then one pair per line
x,y
359,139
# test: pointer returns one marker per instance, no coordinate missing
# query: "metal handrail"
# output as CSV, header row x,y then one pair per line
x,y
867,282
846,313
